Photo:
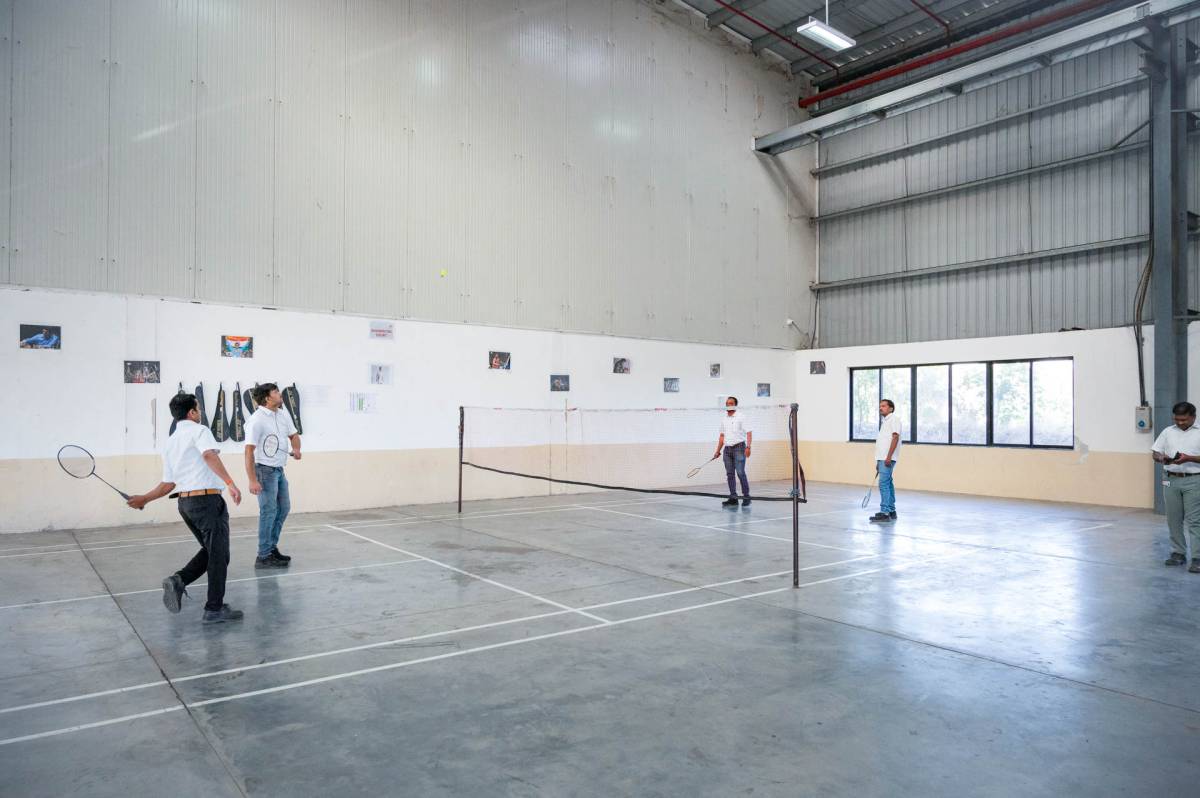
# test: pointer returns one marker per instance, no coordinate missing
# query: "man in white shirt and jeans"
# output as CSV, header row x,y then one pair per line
x,y
265,471
1178,449
734,443
887,447
192,471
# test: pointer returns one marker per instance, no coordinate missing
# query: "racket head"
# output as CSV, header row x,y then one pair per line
x,y
76,461
694,472
270,445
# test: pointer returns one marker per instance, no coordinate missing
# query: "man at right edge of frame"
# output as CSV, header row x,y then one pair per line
x,y
1178,449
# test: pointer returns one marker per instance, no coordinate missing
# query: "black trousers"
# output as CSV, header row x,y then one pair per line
x,y
208,518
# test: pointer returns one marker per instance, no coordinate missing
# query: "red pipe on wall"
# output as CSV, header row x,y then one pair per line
x,y
771,31
950,52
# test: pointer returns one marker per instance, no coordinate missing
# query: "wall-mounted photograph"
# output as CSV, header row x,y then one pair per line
x,y
237,346
40,336
139,371
500,360
621,365
764,389
816,367
670,385
379,374
714,370
560,382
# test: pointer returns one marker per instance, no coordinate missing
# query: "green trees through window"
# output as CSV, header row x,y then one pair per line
x,y
996,403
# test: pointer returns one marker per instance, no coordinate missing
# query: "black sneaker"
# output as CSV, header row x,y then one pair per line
x,y
226,613
892,516
1194,568
746,502
279,555
879,517
1176,559
173,592
270,561
730,502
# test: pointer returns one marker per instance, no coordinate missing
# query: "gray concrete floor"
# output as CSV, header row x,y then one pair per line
x,y
613,644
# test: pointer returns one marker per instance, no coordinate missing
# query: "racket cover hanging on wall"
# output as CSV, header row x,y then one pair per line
x,y
248,398
291,400
237,421
173,421
220,424
200,401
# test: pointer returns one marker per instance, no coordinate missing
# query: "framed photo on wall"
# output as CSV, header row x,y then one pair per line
x,y
500,360
560,382
142,371
621,365
670,385
40,336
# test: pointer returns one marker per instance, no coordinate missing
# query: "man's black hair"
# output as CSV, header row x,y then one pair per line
x,y
734,398
890,403
261,392
1184,409
182,404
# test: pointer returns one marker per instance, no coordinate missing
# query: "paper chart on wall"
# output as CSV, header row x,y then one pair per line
x,y
363,402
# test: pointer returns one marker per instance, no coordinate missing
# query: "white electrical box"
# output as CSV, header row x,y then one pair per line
x,y
1143,418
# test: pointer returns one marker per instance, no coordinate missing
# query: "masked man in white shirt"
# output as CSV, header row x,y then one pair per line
x,y
1178,449
267,436
887,450
193,472
734,442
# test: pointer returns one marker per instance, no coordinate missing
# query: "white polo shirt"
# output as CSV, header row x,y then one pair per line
x,y
266,422
883,441
183,458
1174,440
734,429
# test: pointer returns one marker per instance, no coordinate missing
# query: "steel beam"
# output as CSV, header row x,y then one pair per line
x,y
1003,260
1112,152
995,122
1119,26
723,15
1167,67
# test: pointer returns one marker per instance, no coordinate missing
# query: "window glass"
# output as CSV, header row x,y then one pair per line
x,y
864,404
933,404
968,382
1053,396
1010,403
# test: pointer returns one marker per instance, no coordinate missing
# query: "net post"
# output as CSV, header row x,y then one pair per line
x,y
795,495
462,423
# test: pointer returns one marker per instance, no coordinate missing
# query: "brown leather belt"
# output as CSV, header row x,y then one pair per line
x,y
1174,474
206,492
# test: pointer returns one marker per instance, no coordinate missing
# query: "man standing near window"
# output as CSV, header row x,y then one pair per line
x,y
1178,449
266,454
887,447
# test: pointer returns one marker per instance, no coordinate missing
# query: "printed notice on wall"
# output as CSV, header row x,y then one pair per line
x,y
363,402
382,331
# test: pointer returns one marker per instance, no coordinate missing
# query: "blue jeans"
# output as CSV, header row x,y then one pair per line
x,y
735,462
887,490
274,504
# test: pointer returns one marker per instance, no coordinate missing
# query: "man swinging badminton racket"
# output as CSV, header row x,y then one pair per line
x,y
734,443
192,470
266,454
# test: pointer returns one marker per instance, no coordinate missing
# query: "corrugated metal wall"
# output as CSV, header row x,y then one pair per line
x,y
574,164
1098,200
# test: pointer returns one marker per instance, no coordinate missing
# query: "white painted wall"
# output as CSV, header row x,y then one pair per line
x,y
1106,389
571,164
76,394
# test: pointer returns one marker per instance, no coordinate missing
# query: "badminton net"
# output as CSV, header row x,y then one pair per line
x,y
573,450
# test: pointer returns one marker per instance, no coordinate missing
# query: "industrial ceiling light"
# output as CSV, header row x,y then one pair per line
x,y
821,32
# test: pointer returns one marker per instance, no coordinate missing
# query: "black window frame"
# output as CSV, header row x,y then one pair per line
x,y
913,402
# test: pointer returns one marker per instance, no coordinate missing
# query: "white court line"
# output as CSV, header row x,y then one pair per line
x,y
448,655
204,584
413,638
492,582
725,529
1089,528
365,523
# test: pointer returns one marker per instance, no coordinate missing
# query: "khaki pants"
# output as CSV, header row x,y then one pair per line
x,y
1182,499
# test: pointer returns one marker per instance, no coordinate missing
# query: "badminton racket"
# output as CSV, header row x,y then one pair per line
x,y
270,446
867,499
698,468
79,463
